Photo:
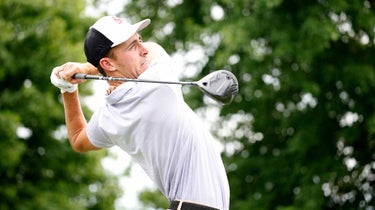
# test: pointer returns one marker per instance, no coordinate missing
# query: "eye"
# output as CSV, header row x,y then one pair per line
x,y
132,46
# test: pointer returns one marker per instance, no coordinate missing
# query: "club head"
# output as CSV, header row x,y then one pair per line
x,y
220,85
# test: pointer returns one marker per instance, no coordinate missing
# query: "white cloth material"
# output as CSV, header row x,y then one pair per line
x,y
64,86
158,129
118,30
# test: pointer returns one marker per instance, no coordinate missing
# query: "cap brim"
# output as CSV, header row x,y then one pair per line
x,y
142,24
135,28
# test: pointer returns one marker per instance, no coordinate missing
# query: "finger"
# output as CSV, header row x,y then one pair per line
x,y
61,74
57,71
70,69
77,81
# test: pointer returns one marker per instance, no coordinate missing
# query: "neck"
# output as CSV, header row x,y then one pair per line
x,y
115,83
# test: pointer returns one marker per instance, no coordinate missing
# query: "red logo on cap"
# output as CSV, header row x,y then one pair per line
x,y
117,19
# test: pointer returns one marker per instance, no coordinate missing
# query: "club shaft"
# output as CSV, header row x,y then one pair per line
x,y
123,79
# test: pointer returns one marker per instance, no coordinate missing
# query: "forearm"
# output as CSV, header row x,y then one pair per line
x,y
90,69
61,77
74,118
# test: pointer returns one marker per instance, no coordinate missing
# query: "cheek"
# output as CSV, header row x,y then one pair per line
x,y
124,60
128,61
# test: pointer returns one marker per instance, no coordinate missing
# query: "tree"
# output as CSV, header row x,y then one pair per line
x,y
38,169
300,135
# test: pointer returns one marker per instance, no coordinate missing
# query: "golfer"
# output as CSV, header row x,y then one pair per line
x,y
149,121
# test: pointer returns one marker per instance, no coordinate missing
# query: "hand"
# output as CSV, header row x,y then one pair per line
x,y
69,69
58,81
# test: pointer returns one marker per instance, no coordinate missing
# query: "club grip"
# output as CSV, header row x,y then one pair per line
x,y
80,76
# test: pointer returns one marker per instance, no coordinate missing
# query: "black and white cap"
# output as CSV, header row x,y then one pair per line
x,y
106,33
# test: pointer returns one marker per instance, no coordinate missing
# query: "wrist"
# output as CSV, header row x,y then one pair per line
x,y
90,69
69,88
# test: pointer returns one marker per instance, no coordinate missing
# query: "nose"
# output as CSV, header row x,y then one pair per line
x,y
144,50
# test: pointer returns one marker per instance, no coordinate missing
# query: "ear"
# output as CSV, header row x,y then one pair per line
x,y
106,64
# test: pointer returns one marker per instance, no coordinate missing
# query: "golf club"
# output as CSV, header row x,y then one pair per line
x,y
220,85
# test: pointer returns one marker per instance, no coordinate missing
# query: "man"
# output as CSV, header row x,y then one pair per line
x,y
151,122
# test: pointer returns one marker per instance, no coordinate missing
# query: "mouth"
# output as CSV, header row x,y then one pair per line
x,y
145,64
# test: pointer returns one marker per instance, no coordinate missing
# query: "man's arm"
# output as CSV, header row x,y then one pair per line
x,y
76,123
61,77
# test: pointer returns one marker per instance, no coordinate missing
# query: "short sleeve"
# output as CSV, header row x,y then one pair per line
x,y
95,132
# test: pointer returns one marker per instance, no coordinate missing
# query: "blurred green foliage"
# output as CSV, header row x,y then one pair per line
x,y
300,134
38,169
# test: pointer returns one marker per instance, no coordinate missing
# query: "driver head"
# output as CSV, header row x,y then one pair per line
x,y
221,85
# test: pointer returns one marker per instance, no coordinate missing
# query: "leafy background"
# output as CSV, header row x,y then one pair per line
x,y
300,134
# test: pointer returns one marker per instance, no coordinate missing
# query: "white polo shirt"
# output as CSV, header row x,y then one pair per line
x,y
153,124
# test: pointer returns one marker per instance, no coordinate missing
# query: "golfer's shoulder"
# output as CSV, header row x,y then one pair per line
x,y
155,51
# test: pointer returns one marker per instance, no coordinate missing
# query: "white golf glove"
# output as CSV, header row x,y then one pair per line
x,y
62,84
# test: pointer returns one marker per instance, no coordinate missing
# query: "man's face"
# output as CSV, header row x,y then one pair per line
x,y
129,58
